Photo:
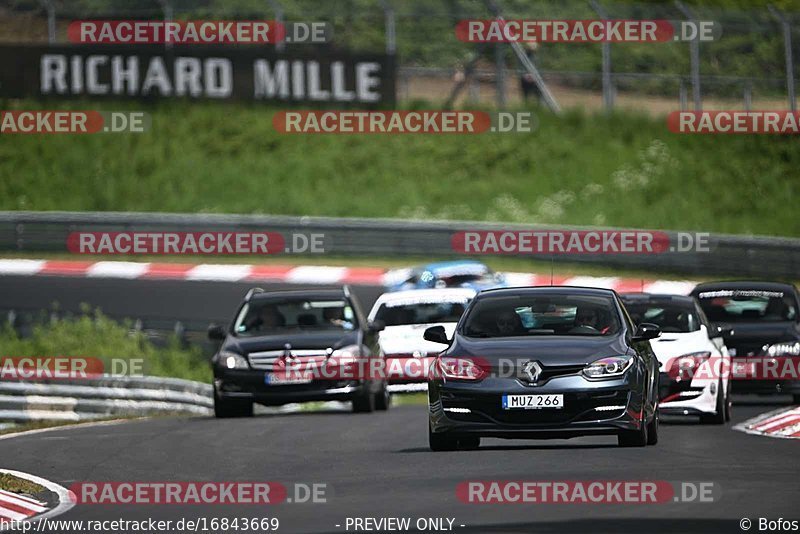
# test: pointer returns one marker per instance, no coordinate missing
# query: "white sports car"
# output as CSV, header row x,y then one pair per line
x,y
406,315
695,364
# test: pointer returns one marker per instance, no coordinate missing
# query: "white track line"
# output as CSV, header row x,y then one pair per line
x,y
21,267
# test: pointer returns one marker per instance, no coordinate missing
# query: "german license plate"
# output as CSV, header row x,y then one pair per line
x,y
284,380
532,402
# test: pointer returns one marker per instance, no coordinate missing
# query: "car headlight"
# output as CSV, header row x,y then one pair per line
x,y
232,360
450,368
610,367
684,367
789,348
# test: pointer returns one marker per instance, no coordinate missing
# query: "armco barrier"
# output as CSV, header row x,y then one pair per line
x,y
86,399
730,255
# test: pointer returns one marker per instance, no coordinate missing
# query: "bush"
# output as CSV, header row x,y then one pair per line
x,y
96,336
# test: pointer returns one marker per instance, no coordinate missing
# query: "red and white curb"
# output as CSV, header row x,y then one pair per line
x,y
783,423
15,508
305,274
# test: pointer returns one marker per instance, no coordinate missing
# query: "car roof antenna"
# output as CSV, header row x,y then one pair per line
x,y
552,263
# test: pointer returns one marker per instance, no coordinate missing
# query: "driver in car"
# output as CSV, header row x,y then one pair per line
x,y
268,317
587,319
508,323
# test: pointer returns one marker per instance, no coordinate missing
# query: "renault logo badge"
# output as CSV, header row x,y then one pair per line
x,y
531,371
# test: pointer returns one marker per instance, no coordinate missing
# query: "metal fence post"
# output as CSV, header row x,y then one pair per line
x,y
278,9
473,90
390,25
787,50
694,52
500,80
169,15
682,97
748,95
51,20
608,88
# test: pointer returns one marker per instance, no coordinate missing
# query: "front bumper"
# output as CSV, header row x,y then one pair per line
x,y
767,376
251,384
476,408
681,398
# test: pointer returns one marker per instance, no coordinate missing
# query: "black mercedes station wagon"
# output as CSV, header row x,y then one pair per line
x,y
309,329
544,362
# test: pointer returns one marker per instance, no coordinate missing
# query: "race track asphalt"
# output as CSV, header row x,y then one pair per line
x,y
175,300
379,465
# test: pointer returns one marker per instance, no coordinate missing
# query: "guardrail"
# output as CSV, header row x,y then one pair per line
x,y
95,398
729,254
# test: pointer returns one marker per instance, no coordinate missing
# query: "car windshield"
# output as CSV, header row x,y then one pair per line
x,y
563,315
748,306
274,316
405,312
669,316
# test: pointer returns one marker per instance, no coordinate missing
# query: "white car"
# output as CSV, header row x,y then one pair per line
x,y
406,315
695,364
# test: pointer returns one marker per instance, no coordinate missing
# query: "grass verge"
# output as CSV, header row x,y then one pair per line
x,y
620,170
19,485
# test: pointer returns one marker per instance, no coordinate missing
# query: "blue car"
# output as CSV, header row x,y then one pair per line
x,y
463,273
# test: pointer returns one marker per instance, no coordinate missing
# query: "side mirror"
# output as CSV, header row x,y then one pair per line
x,y
376,326
646,331
720,330
436,334
216,332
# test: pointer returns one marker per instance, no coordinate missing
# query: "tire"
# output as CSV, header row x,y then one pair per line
x,y
383,400
717,418
442,442
364,403
652,430
728,402
227,408
634,438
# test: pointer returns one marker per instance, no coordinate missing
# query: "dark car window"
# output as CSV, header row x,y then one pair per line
x,y
457,280
748,305
572,315
670,316
393,314
264,317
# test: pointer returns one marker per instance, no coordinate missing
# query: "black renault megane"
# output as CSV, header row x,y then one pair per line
x,y
544,362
